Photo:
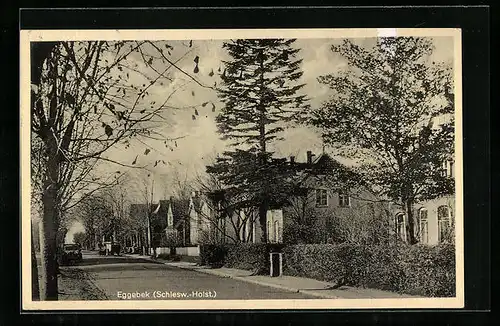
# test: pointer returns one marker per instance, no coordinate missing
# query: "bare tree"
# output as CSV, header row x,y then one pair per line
x,y
223,209
86,98
95,213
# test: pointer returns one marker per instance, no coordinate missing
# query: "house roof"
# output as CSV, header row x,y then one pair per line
x,y
326,165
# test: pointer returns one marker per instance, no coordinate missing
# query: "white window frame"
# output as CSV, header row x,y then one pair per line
x,y
269,230
447,167
443,220
397,223
343,195
421,220
276,231
221,229
253,229
451,173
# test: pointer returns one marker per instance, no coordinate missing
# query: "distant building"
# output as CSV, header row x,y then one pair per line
x,y
435,218
331,204
322,189
167,224
200,219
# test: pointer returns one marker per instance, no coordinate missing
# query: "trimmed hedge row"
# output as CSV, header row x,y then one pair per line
x,y
212,255
248,256
169,257
417,270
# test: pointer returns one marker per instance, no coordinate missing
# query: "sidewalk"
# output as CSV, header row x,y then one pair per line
x,y
307,286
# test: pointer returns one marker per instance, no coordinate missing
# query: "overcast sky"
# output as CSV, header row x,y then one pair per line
x,y
200,142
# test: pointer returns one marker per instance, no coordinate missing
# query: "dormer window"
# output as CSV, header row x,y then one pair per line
x,y
344,199
321,197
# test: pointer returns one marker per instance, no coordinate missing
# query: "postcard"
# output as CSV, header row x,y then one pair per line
x,y
241,169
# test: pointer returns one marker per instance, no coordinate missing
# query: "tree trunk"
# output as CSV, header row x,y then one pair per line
x,y
410,230
49,224
50,200
49,245
263,221
35,286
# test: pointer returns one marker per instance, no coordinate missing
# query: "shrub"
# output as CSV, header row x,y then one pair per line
x,y
248,256
212,255
418,270
169,257
251,256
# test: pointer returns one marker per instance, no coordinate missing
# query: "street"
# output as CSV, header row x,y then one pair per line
x,y
122,277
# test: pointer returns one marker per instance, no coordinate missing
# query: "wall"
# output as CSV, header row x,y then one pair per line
x,y
275,220
432,215
182,251
365,219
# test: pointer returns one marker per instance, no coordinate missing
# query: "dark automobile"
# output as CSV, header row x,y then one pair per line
x,y
71,253
109,248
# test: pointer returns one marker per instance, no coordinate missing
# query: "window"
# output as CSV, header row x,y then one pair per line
x,y
444,223
249,229
424,225
221,229
450,171
276,231
246,229
344,199
170,220
253,231
321,197
269,231
400,226
447,167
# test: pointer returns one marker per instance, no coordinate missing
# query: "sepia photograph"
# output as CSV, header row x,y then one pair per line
x,y
241,169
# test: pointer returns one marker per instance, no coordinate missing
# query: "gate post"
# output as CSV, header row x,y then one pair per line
x,y
276,266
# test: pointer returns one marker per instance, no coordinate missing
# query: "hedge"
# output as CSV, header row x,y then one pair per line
x,y
169,257
247,256
417,269
212,255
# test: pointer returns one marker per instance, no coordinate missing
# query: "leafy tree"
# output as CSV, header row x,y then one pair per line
x,y
260,94
392,110
80,238
95,213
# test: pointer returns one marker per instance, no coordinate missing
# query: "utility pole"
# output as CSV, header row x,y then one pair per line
x,y
148,220
149,213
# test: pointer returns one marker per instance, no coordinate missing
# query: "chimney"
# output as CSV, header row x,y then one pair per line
x,y
292,159
310,156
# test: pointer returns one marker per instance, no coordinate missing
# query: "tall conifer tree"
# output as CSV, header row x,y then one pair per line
x,y
260,93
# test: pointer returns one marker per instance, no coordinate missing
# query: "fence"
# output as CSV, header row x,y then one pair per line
x,y
182,251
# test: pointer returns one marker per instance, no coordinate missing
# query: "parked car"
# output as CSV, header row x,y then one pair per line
x,y
110,248
71,253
